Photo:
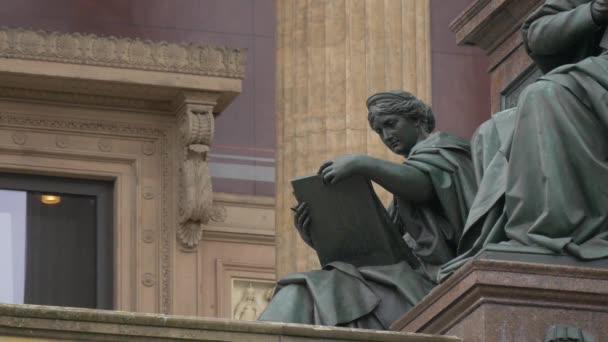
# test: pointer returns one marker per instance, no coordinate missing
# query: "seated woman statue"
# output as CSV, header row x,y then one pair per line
x,y
543,166
432,189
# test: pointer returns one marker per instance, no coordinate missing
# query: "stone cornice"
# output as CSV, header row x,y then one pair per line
x,y
488,23
89,49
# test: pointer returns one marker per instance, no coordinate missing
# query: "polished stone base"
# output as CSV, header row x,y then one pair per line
x,y
511,300
29,323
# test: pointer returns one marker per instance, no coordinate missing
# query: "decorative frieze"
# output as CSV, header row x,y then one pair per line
x,y
115,52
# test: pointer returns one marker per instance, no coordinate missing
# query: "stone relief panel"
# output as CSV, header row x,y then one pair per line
x,y
250,297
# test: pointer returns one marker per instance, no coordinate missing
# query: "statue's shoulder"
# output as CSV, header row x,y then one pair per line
x,y
442,140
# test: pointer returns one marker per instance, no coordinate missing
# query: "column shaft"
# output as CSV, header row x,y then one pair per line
x,y
331,55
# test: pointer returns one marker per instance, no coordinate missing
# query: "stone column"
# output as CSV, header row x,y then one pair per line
x,y
332,54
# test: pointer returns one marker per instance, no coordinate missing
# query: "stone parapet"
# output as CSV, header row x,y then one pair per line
x,y
43,323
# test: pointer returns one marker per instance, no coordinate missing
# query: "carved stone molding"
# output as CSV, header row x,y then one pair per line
x,y
20,121
147,236
148,192
147,148
62,141
148,280
19,138
104,145
196,126
121,53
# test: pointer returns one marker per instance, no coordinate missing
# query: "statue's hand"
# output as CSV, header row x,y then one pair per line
x,y
301,219
599,11
341,168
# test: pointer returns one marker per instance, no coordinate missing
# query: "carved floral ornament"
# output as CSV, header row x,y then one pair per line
x,y
122,53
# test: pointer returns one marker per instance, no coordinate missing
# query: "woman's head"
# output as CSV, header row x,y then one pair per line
x,y
402,103
400,119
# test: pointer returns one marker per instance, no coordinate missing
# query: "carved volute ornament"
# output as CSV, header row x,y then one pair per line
x,y
196,128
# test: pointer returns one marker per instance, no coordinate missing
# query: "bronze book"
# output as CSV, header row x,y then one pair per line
x,y
350,224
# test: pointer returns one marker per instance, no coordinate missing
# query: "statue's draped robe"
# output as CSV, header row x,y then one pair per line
x,y
375,296
542,167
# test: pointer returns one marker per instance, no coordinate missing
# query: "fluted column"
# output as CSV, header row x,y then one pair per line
x,y
332,54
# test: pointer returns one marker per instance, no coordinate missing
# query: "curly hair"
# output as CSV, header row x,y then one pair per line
x,y
402,103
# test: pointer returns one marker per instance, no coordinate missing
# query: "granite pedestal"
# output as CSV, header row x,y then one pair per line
x,y
498,297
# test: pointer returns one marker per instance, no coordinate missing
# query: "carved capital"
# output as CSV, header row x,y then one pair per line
x,y
196,127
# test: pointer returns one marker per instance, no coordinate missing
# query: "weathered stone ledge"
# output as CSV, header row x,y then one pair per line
x,y
44,322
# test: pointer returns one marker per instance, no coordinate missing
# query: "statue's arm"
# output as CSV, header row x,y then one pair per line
x,y
403,180
558,26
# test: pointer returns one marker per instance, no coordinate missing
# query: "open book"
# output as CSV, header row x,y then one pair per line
x,y
350,224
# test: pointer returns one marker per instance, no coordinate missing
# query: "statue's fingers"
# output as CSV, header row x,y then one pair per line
x,y
306,212
301,207
306,224
328,177
326,174
301,218
326,170
324,166
336,178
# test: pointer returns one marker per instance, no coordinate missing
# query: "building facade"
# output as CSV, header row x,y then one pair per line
x,y
188,169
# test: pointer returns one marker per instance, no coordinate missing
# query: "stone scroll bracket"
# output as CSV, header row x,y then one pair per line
x,y
195,204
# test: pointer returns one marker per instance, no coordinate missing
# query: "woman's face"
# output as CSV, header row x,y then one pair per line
x,y
397,133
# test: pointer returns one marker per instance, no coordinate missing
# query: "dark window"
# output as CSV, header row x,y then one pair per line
x,y
56,241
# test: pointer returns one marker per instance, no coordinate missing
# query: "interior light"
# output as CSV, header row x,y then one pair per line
x,y
50,199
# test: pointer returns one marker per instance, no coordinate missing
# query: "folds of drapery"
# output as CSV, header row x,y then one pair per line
x,y
546,185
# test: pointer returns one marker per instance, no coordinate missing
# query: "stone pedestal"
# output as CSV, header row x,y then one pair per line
x,y
502,300
494,26
331,55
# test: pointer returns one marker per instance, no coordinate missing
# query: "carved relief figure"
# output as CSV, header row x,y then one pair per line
x,y
247,308
542,166
433,189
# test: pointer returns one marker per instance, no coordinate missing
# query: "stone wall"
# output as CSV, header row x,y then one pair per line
x,y
242,159
140,114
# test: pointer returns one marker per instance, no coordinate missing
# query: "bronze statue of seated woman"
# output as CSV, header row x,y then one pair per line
x,y
433,189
